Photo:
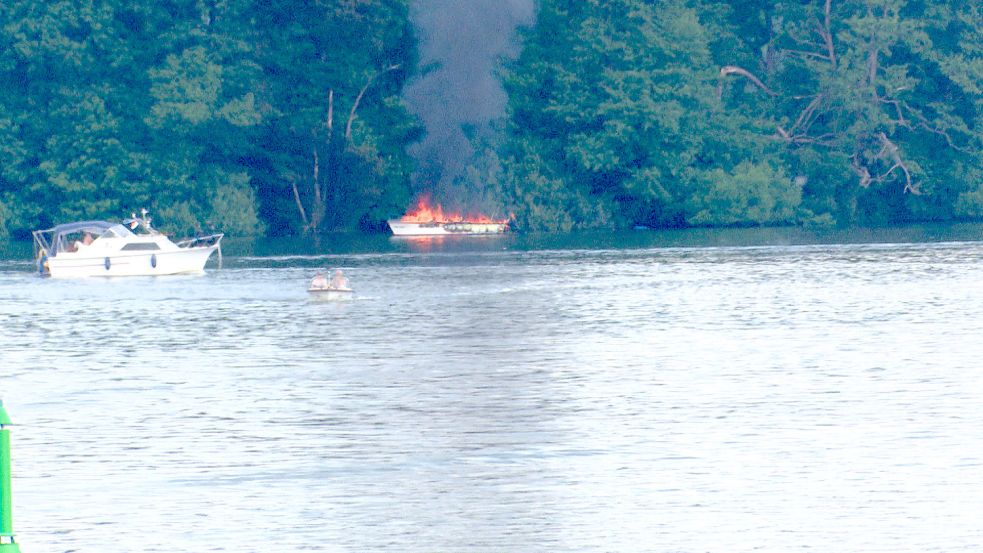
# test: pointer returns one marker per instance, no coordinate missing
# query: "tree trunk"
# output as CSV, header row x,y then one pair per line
x,y
316,210
827,35
358,99
300,204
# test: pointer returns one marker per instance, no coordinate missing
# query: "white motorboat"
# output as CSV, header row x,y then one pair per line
x,y
450,228
426,219
134,248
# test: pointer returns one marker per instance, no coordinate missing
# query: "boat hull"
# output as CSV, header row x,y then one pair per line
x,y
143,263
332,293
456,228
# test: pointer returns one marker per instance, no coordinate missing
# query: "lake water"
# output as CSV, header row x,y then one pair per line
x,y
508,395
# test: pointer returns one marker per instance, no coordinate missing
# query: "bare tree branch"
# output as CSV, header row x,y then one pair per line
x,y
330,121
897,107
924,123
892,150
821,140
358,99
807,112
827,34
888,150
807,54
320,191
732,70
861,171
799,40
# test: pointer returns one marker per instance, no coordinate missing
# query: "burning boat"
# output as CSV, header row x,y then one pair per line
x,y
442,228
432,221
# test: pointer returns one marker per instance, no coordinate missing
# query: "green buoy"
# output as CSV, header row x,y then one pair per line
x,y
7,543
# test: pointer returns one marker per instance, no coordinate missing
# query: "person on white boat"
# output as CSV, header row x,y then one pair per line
x,y
319,282
85,241
338,281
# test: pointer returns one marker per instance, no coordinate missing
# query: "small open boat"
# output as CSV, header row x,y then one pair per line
x,y
336,288
332,293
131,248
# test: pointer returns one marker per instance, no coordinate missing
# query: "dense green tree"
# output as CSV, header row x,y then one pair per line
x,y
284,117
204,112
875,104
615,121
849,110
333,153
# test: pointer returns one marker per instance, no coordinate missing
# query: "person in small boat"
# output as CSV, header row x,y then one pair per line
x,y
319,282
338,281
87,239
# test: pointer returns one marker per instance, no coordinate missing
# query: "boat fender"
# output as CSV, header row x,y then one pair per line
x,y
107,263
153,260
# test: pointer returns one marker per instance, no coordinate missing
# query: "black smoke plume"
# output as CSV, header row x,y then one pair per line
x,y
458,94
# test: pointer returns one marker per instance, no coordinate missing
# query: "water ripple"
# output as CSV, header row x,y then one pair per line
x,y
675,399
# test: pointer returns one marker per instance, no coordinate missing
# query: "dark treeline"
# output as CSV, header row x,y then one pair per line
x,y
251,116
286,116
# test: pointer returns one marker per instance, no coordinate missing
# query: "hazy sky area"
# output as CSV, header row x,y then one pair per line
x,y
461,44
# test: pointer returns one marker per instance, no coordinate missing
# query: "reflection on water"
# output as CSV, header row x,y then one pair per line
x,y
505,397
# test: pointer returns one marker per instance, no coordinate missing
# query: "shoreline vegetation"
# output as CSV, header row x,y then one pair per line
x,y
348,245
288,118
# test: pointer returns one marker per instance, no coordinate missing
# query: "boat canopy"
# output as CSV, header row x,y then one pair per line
x,y
54,240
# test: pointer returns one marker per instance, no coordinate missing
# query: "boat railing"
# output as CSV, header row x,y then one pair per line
x,y
42,243
201,241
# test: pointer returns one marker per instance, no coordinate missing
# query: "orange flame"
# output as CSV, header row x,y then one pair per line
x,y
424,212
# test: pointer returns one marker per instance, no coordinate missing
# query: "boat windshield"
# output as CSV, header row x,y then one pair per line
x,y
116,231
